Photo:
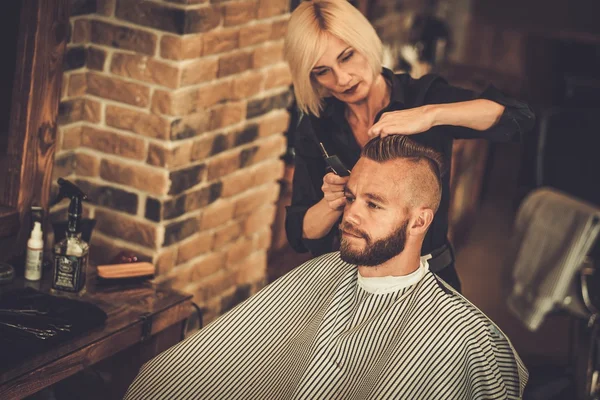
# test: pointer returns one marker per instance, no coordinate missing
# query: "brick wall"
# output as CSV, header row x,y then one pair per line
x,y
172,119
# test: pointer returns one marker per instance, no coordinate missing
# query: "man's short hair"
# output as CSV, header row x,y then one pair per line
x,y
425,187
305,41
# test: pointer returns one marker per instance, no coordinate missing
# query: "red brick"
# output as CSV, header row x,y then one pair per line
x,y
227,114
143,68
92,110
226,234
274,122
64,165
271,8
169,19
78,109
127,228
279,29
166,260
141,177
180,276
213,93
113,143
71,137
207,266
123,37
262,240
239,250
253,199
190,126
221,41
268,54
180,102
194,246
81,31
254,34
261,218
236,183
223,164
237,13
199,71
278,75
139,122
251,270
214,286
64,89
181,47
272,147
247,84
234,63
210,146
268,171
217,214
169,157
87,164
96,58
118,90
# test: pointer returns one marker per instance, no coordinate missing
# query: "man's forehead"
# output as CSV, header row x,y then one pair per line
x,y
384,178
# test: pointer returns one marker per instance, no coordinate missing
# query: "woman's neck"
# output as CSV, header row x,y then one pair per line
x,y
364,112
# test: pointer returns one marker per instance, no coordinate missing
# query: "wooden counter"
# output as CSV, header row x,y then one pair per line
x,y
145,319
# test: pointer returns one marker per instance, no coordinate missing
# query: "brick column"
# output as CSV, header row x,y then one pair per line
x,y
172,119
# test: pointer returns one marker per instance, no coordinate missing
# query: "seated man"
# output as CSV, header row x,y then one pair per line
x,y
368,322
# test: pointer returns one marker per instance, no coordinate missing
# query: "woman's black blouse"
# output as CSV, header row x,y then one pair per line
x,y
333,131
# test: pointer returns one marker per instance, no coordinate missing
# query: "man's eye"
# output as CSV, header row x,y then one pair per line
x,y
373,206
349,199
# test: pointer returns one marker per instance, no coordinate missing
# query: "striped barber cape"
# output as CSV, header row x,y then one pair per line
x,y
316,334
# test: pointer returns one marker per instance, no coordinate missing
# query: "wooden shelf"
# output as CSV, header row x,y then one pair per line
x,y
9,221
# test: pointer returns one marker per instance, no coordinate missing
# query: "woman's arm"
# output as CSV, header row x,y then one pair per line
x,y
491,115
308,223
319,219
480,114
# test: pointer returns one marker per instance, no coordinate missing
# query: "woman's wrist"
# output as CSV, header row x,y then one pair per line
x,y
434,112
318,220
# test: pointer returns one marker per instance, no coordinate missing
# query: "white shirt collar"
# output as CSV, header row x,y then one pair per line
x,y
389,284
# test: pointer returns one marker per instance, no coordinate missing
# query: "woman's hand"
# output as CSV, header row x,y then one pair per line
x,y
404,122
333,190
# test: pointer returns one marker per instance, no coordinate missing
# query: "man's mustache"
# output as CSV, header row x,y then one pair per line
x,y
347,227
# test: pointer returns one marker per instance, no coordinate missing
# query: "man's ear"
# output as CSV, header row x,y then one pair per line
x,y
420,221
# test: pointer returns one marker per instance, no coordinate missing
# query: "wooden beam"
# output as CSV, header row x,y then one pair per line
x,y
43,32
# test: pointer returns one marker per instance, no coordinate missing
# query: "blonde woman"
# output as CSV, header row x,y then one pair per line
x,y
347,98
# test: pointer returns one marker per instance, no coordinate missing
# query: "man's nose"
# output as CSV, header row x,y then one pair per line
x,y
351,214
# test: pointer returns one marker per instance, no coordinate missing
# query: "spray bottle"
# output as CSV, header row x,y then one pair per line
x,y
35,252
71,253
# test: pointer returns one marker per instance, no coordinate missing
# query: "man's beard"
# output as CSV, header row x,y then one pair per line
x,y
375,252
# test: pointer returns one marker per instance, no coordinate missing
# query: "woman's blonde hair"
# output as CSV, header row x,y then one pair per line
x,y
305,43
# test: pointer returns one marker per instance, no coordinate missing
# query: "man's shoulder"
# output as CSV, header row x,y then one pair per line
x,y
321,270
460,317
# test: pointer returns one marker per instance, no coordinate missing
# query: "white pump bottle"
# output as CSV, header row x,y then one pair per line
x,y
35,252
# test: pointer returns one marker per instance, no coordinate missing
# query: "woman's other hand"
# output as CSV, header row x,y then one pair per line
x,y
403,122
333,190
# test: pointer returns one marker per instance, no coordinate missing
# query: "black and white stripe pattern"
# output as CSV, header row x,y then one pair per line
x,y
315,334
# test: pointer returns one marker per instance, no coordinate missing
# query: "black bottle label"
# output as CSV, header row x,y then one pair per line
x,y
69,273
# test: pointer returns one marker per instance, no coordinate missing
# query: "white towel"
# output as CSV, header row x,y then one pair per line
x,y
553,233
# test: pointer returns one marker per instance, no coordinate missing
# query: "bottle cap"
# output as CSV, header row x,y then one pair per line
x,y
7,273
36,233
